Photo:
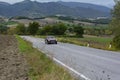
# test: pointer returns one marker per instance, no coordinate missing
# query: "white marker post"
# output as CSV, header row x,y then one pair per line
x,y
88,45
110,46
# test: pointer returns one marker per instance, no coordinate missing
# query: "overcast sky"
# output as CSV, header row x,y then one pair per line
x,y
100,2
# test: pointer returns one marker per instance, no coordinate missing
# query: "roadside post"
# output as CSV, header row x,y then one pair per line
x,y
110,46
88,45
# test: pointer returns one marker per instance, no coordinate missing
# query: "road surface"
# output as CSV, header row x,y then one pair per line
x,y
92,64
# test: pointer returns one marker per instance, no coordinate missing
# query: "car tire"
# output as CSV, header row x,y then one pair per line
x,y
56,42
46,42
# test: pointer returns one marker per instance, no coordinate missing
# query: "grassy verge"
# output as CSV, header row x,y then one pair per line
x,y
95,42
41,67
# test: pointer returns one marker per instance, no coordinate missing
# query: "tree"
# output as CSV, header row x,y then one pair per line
x,y
115,25
33,28
56,29
116,41
47,30
20,29
59,29
79,30
3,29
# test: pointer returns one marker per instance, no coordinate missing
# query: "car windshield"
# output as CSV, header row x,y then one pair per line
x,y
50,37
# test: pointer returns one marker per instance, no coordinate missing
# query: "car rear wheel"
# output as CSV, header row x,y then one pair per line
x,y
56,42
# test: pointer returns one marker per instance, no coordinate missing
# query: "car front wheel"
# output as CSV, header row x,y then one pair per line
x,y
46,42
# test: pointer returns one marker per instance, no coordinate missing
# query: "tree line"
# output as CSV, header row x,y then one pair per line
x,y
34,28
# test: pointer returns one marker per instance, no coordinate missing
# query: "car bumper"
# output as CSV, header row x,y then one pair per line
x,y
52,42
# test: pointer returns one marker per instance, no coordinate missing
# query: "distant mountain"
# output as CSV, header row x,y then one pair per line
x,y
85,5
36,9
4,8
4,3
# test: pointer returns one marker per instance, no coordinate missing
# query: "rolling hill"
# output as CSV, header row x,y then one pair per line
x,y
36,9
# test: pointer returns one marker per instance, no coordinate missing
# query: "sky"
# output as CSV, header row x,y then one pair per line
x,y
108,3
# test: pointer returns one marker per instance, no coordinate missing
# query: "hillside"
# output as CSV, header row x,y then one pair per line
x,y
37,9
85,5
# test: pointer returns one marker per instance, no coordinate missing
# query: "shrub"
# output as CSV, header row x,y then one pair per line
x,y
33,28
79,31
20,29
116,41
3,29
59,29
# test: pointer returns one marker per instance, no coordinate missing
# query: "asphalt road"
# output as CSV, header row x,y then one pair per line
x,y
94,64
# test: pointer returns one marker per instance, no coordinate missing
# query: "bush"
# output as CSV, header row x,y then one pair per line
x,y
20,29
79,31
47,30
33,28
3,29
115,25
11,31
116,41
59,29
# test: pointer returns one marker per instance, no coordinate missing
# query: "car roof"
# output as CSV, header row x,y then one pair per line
x,y
50,36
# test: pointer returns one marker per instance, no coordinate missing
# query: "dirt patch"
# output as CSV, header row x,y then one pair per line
x,y
13,65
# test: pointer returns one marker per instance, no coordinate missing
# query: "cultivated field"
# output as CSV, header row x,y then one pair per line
x,y
13,65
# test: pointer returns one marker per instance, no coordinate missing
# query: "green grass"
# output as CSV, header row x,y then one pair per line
x,y
101,40
94,41
102,26
41,67
9,23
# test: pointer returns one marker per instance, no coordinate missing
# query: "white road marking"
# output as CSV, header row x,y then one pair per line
x,y
71,69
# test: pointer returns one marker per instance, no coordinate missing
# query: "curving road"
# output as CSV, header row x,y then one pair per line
x,y
89,63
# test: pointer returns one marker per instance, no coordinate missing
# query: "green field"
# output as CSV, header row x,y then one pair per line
x,y
41,67
96,39
93,41
9,23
